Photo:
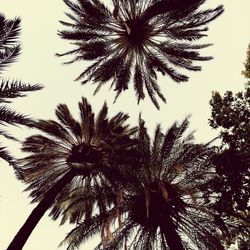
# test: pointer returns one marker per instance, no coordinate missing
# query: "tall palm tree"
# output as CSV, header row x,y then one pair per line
x,y
161,205
68,155
135,40
9,51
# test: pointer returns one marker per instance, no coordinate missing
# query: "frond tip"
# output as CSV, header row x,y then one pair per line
x,y
9,47
12,89
11,117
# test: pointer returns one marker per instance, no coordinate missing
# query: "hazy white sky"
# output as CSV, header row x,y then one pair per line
x,y
38,64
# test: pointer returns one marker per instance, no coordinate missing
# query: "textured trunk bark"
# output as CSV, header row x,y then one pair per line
x,y
172,237
37,213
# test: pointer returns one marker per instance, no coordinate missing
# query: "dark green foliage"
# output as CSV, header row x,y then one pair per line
x,y
159,203
231,114
153,36
246,72
9,50
233,184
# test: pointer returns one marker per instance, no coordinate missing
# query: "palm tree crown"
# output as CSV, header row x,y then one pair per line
x,y
9,51
137,39
161,205
87,147
68,156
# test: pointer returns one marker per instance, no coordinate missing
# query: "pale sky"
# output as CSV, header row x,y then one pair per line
x,y
38,64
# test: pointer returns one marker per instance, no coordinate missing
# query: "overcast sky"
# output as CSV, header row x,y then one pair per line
x,y
38,64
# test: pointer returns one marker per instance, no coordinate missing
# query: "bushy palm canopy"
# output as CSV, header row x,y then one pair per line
x,y
9,50
136,40
71,155
90,148
161,203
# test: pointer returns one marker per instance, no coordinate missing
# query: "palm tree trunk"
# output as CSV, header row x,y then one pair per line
x,y
172,237
38,212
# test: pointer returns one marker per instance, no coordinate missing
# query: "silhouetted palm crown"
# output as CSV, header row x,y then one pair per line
x,y
88,148
136,40
9,51
160,205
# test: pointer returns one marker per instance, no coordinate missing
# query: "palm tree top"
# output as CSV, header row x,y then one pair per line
x,y
88,147
135,40
161,203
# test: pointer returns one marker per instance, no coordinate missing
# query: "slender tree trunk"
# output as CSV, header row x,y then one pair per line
x,y
172,237
38,212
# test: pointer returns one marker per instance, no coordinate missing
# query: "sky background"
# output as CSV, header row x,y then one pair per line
x,y
38,64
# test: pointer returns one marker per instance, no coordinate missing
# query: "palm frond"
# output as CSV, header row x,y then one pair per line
x,y
66,118
87,119
11,117
9,56
85,230
54,129
10,30
163,6
139,83
4,154
13,89
9,47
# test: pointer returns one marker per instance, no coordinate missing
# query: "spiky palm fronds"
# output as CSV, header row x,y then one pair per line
x,y
9,51
88,146
8,116
69,158
9,46
136,40
162,205
4,154
12,89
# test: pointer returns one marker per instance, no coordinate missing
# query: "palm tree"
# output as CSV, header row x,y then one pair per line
x,y
69,155
9,51
161,205
135,40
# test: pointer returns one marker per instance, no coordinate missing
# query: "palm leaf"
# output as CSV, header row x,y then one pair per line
x,y
13,89
12,117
